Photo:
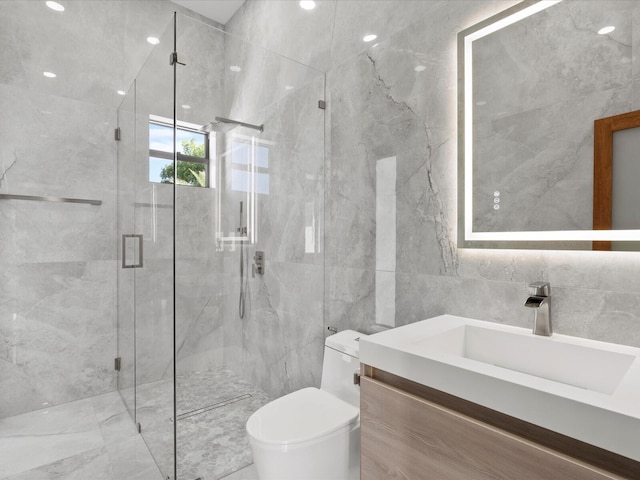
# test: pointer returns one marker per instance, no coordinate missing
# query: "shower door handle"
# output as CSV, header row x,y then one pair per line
x,y
139,237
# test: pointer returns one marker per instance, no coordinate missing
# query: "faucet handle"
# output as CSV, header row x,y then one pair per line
x,y
540,289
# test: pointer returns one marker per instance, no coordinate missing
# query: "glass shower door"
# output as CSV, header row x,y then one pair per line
x,y
145,274
244,335
206,334
125,366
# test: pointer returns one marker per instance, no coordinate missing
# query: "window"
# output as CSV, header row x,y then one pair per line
x,y
193,147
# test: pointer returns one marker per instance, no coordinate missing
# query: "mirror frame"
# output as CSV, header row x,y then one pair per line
x,y
548,240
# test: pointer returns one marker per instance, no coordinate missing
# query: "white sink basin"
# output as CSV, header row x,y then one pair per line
x,y
582,388
580,366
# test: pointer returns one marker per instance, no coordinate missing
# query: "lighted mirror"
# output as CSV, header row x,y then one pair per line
x,y
532,82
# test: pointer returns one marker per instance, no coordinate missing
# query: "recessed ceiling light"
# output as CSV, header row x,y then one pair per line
x,y
369,38
235,68
49,74
153,40
121,92
55,6
605,30
186,107
420,68
308,4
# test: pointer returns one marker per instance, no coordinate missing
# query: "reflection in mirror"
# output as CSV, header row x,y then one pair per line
x,y
532,81
616,171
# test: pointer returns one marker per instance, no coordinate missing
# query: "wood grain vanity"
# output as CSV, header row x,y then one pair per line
x,y
411,431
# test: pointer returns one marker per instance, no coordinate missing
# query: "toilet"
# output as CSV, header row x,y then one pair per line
x,y
313,434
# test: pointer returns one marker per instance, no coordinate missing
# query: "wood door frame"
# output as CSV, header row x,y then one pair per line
x,y
603,129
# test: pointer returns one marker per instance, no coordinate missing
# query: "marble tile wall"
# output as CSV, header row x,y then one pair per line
x,y
380,106
59,278
57,315
90,438
278,344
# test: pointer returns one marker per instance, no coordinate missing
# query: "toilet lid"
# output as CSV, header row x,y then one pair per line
x,y
300,416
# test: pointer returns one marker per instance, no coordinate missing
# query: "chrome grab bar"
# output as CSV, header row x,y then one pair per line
x,y
7,196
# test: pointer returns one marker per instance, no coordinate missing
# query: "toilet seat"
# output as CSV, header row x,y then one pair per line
x,y
301,416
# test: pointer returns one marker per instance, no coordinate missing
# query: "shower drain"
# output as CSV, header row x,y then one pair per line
x,y
208,408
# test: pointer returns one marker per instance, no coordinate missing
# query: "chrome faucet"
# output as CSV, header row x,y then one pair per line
x,y
539,299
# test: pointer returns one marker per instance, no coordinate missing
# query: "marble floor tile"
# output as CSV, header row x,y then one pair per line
x,y
38,438
113,418
214,443
247,473
94,439
130,460
209,387
92,464
213,408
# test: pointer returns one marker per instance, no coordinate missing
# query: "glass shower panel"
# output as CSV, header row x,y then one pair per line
x,y
126,225
146,257
243,337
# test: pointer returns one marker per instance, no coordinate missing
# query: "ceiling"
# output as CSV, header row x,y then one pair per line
x,y
219,10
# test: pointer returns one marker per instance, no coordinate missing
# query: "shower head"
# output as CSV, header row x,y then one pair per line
x,y
224,125
219,127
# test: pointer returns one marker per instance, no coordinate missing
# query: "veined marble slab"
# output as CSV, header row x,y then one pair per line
x,y
37,438
92,439
92,464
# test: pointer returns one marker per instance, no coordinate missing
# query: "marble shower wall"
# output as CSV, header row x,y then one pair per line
x,y
380,106
278,344
59,261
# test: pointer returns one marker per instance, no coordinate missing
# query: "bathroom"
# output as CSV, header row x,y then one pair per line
x,y
380,152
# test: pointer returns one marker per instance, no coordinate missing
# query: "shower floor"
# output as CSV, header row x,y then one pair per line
x,y
213,408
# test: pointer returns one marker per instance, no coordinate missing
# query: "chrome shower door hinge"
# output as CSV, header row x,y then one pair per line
x,y
139,427
117,364
322,104
117,134
173,59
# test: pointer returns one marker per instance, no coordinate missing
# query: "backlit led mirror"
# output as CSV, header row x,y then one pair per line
x,y
532,82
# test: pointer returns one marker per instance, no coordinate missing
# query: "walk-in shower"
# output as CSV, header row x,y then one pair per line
x,y
203,343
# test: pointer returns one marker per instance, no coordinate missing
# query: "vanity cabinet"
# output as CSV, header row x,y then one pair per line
x,y
410,431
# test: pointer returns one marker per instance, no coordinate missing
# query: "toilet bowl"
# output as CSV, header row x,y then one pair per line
x,y
313,434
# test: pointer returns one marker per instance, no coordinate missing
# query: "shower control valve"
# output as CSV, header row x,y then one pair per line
x,y
258,263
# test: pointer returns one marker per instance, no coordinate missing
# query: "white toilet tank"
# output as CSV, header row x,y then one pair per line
x,y
341,361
